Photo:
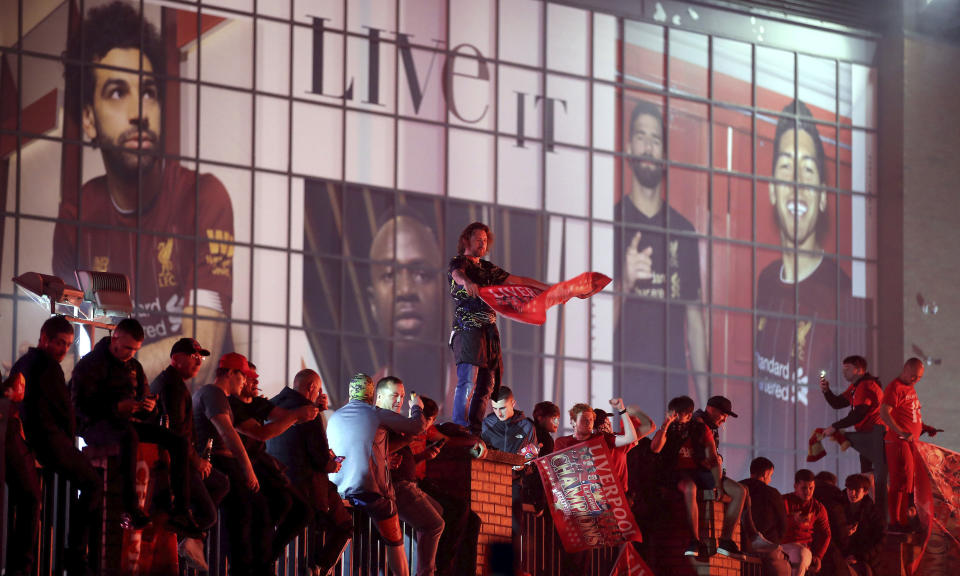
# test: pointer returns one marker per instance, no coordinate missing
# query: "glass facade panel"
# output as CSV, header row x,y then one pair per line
x,y
295,185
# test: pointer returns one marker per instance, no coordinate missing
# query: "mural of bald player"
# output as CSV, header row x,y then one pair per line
x,y
406,294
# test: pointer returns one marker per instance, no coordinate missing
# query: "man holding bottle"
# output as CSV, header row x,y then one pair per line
x,y
207,486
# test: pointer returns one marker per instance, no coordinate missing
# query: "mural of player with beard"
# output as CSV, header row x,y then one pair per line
x,y
657,269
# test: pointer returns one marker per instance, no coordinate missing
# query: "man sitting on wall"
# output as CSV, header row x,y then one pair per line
x,y
768,515
257,420
808,528
49,424
358,432
304,452
114,399
864,525
244,511
688,459
415,507
208,487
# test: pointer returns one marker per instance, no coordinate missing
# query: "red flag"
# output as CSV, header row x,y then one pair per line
x,y
937,495
588,506
630,563
529,304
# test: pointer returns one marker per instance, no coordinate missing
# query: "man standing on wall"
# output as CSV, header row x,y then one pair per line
x,y
864,396
658,272
476,340
121,113
901,412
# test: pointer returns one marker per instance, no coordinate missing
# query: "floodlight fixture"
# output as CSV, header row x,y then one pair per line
x,y
109,292
50,292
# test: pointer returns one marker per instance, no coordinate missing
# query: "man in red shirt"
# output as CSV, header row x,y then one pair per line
x,y
863,395
169,229
808,528
582,418
901,412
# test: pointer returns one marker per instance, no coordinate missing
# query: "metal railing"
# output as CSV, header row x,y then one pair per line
x,y
540,550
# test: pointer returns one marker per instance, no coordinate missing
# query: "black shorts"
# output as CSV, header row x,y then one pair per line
x,y
703,479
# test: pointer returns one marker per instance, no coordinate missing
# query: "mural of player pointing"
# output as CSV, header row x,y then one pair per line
x,y
660,323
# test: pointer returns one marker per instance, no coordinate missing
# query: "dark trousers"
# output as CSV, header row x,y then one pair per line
x,y
24,486
288,507
247,519
206,494
129,434
58,454
331,525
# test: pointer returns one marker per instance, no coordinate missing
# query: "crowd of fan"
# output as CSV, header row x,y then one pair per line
x,y
269,468
817,528
266,468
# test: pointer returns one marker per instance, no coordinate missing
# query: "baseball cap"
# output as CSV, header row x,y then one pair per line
x,y
723,404
234,361
188,346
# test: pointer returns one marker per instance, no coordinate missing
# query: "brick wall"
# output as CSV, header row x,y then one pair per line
x,y
666,544
931,209
491,482
487,484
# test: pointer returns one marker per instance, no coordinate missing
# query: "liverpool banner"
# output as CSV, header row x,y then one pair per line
x,y
528,304
589,508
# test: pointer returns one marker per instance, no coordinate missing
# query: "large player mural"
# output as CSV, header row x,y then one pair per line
x,y
292,185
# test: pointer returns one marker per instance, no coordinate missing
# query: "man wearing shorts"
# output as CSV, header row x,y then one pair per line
x,y
358,432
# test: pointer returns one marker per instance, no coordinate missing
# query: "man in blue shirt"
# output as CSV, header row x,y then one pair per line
x,y
358,432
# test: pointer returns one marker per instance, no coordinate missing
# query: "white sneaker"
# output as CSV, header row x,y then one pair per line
x,y
191,550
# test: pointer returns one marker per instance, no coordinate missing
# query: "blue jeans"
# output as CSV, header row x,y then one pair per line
x,y
474,387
